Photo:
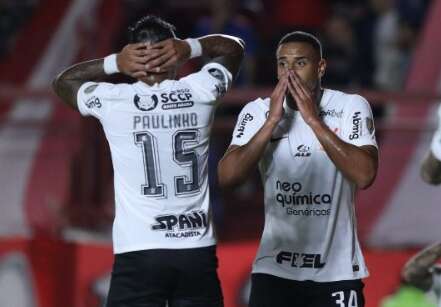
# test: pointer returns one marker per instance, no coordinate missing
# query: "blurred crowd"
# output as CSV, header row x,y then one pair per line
x,y
367,43
13,14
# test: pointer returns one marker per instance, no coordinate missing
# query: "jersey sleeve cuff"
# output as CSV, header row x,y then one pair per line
x,y
364,142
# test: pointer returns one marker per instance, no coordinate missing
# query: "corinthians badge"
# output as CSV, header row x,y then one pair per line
x,y
145,102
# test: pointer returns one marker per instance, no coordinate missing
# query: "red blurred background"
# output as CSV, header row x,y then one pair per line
x,y
56,182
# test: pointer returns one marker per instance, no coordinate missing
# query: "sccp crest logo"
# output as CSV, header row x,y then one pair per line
x,y
145,102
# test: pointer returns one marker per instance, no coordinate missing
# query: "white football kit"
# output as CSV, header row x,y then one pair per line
x,y
436,139
310,227
158,137
435,290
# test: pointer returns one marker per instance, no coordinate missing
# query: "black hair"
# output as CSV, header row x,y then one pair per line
x,y
151,29
300,36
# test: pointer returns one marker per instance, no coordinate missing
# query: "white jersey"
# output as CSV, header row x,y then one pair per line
x,y
158,137
435,290
310,227
436,139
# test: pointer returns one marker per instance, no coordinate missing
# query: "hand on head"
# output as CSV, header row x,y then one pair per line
x,y
141,59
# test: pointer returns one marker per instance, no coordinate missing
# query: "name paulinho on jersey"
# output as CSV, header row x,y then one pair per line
x,y
309,231
158,137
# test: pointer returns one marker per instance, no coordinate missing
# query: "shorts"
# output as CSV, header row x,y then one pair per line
x,y
271,291
166,277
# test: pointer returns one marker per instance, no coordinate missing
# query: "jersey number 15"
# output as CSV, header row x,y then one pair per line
x,y
182,157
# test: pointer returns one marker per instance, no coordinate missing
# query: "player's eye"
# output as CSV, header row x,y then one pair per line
x,y
283,64
301,63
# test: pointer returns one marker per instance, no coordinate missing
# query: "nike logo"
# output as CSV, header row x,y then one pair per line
x,y
277,139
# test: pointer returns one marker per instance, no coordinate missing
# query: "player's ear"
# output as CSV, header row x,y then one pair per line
x,y
321,68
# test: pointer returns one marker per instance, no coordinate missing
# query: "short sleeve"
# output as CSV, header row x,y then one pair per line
x,y
435,145
94,99
211,82
249,121
358,123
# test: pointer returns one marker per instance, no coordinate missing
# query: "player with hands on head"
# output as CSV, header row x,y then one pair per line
x,y
158,131
314,148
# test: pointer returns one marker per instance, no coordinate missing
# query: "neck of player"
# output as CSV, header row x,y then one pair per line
x,y
153,78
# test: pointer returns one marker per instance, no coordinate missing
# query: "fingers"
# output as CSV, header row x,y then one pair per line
x,y
139,74
171,63
161,59
146,57
137,67
278,95
168,43
280,87
303,91
137,46
293,89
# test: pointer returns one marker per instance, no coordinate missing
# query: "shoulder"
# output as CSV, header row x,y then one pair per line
x,y
343,99
258,106
347,102
106,90
215,71
209,83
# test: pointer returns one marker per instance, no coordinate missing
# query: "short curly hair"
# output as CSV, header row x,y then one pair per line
x,y
300,36
151,29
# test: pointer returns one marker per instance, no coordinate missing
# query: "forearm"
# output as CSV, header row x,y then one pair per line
x,y
67,83
225,49
418,266
431,169
238,162
357,164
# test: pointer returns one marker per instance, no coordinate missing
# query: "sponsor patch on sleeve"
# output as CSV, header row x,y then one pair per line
x,y
356,131
90,88
244,119
93,102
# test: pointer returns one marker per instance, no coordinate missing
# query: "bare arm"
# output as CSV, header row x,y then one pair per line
x,y
431,169
416,270
358,164
224,49
239,161
68,82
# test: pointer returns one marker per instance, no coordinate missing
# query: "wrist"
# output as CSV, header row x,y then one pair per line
x,y
313,121
271,123
195,47
111,64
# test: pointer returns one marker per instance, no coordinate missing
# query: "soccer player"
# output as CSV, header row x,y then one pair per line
x,y
422,271
421,281
158,131
314,147
431,166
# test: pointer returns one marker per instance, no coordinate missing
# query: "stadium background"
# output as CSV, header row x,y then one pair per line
x,y
56,198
